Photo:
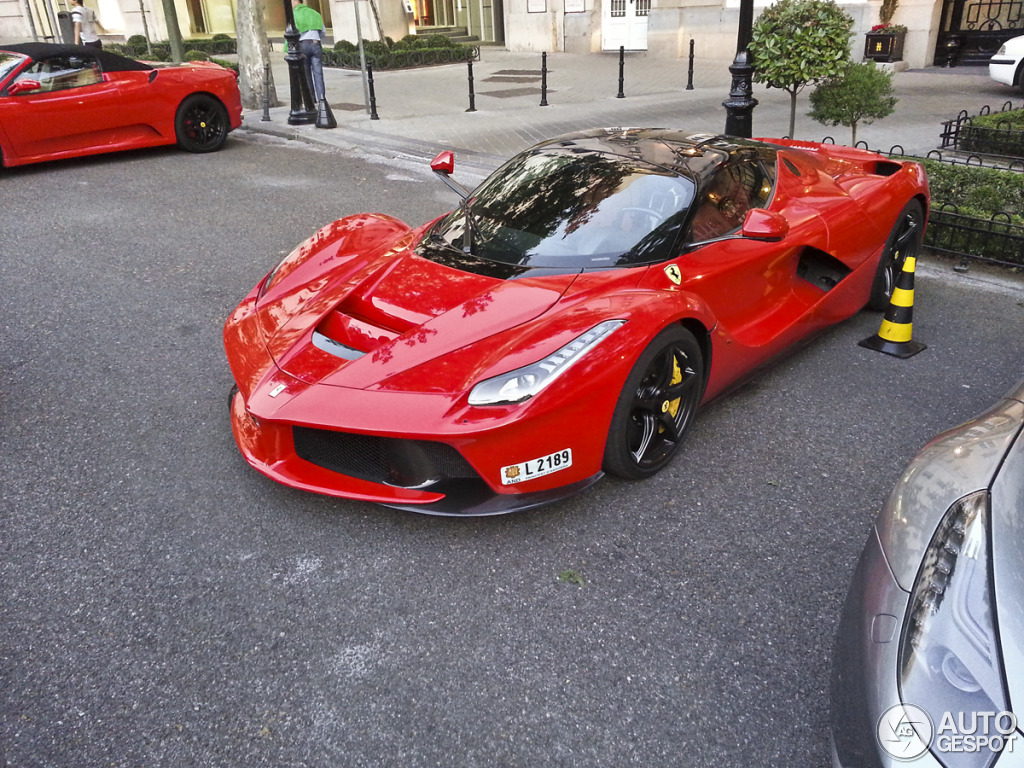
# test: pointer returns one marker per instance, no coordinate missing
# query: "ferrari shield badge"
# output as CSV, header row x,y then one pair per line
x,y
674,274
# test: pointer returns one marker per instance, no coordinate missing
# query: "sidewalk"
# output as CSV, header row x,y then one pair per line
x,y
423,111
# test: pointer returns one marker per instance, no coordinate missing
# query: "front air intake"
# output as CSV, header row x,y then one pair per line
x,y
386,460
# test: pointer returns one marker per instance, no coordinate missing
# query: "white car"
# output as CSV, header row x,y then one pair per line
x,y
1007,66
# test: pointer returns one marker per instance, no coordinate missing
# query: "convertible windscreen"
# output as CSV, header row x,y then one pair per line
x,y
570,209
8,63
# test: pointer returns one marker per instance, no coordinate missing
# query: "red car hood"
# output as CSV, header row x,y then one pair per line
x,y
374,316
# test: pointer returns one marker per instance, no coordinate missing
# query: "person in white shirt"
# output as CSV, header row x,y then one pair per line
x,y
85,25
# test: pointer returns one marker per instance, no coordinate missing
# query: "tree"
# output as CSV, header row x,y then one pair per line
x,y
798,42
253,55
862,94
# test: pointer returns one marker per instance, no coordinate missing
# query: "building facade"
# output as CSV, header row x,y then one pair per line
x,y
940,31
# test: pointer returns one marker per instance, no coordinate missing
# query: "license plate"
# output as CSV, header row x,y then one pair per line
x,y
528,470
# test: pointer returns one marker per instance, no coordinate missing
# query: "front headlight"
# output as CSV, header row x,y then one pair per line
x,y
1002,50
950,659
523,383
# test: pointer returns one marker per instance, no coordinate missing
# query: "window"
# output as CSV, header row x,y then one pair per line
x,y
571,210
733,190
63,72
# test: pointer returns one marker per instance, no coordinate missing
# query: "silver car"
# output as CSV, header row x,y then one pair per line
x,y
928,668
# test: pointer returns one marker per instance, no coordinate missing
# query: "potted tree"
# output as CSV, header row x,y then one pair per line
x,y
862,94
885,40
799,42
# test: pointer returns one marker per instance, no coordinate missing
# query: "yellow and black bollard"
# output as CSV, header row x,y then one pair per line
x,y
893,338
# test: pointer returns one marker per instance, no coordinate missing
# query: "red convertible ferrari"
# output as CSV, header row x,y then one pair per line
x,y
566,320
60,101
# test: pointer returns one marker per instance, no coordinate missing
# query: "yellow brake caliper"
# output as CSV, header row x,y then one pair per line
x,y
672,406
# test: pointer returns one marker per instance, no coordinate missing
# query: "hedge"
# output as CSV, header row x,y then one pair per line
x,y
410,51
976,191
135,47
997,133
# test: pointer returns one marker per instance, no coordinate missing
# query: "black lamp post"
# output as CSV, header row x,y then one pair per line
x,y
303,110
741,102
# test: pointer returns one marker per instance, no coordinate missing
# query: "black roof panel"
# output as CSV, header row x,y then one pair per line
x,y
109,62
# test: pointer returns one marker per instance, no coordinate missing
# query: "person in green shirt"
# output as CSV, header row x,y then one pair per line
x,y
310,26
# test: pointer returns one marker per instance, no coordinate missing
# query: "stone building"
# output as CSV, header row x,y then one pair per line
x,y
940,31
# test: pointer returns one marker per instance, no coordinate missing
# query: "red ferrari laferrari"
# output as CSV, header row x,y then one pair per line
x,y
566,320
59,101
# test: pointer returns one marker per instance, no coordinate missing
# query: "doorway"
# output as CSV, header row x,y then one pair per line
x,y
624,24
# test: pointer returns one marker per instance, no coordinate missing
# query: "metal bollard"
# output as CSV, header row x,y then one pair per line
x,y
472,96
266,94
622,66
544,79
373,96
689,71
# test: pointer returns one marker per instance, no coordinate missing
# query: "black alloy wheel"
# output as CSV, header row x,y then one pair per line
x,y
201,124
904,240
656,406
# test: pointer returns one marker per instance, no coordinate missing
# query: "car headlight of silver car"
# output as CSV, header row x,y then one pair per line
x,y
950,659
523,383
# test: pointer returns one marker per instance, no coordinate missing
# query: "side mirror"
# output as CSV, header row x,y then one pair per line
x,y
23,86
443,163
765,225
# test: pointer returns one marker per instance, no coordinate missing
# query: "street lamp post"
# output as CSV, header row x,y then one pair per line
x,y
741,102
303,110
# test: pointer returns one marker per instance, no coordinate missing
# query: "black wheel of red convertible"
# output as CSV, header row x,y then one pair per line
x,y
201,124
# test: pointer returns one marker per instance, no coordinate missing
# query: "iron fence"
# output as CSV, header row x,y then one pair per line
x,y
963,135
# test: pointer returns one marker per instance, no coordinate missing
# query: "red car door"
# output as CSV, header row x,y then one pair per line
x,y
75,108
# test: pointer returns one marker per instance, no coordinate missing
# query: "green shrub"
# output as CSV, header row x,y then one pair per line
x,y
401,58
220,36
976,191
437,41
196,56
135,41
375,47
345,46
226,64
1012,120
862,94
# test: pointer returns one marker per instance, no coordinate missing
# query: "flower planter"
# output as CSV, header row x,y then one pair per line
x,y
884,46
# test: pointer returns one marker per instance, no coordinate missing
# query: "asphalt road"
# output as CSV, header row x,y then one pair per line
x,y
165,605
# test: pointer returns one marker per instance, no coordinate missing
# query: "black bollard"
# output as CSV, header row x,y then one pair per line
x,y
266,94
689,71
472,96
544,79
373,96
622,67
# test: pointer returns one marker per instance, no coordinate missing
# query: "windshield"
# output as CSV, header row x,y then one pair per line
x,y
8,62
564,209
